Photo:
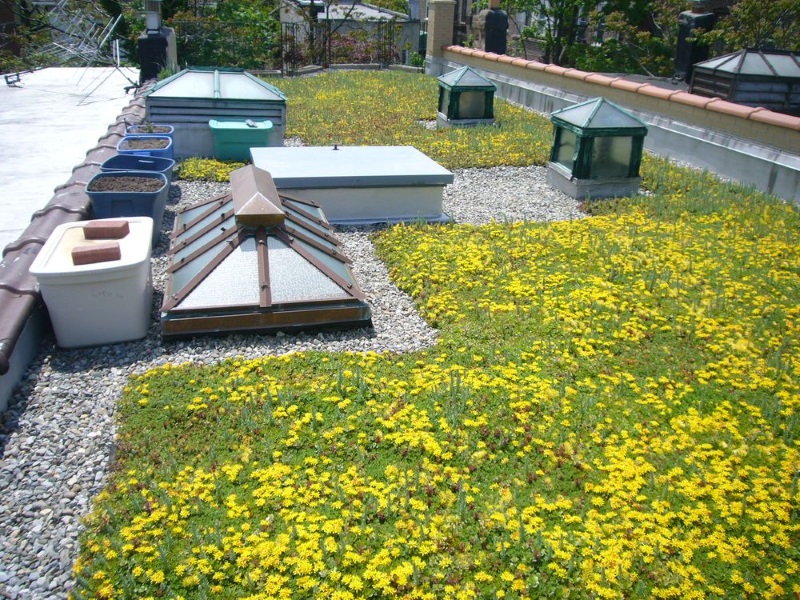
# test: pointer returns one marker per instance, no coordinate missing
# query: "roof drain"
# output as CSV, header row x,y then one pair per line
x,y
254,260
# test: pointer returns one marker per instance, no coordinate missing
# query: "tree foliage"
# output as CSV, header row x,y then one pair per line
x,y
774,24
559,22
640,37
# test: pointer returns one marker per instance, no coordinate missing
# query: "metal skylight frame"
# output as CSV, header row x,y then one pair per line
x,y
208,233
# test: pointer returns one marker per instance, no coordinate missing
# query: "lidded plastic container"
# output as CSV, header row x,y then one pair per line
x,y
107,300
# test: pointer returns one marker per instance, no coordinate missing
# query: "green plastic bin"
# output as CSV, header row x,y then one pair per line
x,y
233,139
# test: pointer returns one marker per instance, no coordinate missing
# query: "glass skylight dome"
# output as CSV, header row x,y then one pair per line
x,y
254,260
465,98
597,150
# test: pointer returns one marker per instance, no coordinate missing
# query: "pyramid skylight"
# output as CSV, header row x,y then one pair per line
x,y
256,260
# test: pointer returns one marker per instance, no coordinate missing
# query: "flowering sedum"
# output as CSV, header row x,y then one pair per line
x,y
610,412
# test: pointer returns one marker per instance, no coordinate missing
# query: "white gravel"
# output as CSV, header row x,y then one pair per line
x,y
57,436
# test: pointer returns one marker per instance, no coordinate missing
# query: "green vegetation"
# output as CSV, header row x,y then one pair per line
x,y
611,412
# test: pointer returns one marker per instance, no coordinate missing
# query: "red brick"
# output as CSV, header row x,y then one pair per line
x,y
106,230
95,253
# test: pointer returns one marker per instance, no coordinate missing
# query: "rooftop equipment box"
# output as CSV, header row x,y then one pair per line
x,y
190,99
360,184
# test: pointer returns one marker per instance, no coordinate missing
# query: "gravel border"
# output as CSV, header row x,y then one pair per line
x,y
57,435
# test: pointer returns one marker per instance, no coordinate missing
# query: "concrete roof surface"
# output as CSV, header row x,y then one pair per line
x,y
48,122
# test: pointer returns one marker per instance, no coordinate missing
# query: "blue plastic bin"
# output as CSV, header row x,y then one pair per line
x,y
111,204
133,162
165,152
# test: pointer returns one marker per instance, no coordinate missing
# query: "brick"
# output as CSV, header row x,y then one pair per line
x,y
90,254
106,230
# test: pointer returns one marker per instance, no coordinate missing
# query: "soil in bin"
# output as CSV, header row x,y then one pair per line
x,y
146,144
150,129
125,184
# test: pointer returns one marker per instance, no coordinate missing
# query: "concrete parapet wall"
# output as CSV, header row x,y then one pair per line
x,y
752,145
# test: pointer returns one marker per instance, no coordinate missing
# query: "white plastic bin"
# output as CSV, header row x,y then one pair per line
x,y
100,303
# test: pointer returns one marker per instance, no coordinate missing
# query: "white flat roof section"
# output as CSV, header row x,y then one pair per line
x,y
48,122
349,166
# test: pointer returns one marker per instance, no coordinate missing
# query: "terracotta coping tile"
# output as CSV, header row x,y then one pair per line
x,y
730,108
14,311
536,65
624,84
762,115
45,224
13,251
576,74
491,56
555,69
111,137
520,62
82,174
118,128
504,58
690,99
599,79
70,196
64,208
100,155
478,53
19,279
655,91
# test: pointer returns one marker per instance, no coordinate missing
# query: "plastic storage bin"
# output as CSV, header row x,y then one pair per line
x,y
101,303
233,139
132,162
124,146
131,204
